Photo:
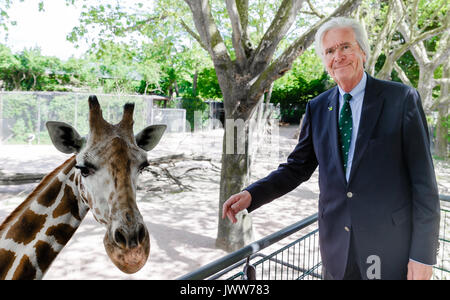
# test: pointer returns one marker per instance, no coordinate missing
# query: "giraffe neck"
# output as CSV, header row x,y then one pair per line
x,y
32,235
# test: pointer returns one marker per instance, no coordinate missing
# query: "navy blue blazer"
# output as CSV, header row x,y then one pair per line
x,y
390,203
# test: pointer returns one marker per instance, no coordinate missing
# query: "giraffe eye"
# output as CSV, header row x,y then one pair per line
x,y
85,171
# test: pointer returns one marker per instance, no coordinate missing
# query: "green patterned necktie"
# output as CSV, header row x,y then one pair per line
x,y
345,129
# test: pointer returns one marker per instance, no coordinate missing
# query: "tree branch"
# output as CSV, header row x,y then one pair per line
x,y
385,71
443,100
237,32
242,7
283,20
193,34
139,24
440,81
419,52
284,62
420,38
208,32
432,18
443,51
402,74
381,39
314,10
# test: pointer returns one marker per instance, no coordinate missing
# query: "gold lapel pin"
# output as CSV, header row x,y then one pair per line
x,y
330,108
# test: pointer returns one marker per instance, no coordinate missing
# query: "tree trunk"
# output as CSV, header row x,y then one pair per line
x,y
386,70
425,87
441,148
177,92
1,117
236,163
194,84
233,178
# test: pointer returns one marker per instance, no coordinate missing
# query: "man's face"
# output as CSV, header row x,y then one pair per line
x,y
343,58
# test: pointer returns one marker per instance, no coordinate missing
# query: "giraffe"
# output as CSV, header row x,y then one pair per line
x,y
101,177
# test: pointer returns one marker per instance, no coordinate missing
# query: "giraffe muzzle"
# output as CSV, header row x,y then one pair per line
x,y
128,249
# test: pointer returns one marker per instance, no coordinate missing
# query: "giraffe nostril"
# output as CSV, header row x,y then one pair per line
x,y
120,239
141,233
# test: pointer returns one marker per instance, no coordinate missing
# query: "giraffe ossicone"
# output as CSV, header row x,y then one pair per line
x,y
100,177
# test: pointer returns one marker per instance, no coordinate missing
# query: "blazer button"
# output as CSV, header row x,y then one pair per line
x,y
349,194
347,229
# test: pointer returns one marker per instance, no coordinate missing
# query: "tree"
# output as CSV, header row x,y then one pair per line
x,y
443,119
407,18
419,27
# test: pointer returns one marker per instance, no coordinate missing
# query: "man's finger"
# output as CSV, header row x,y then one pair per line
x,y
231,216
409,276
224,210
226,206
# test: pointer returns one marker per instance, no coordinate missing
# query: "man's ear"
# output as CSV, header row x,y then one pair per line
x,y
150,136
65,138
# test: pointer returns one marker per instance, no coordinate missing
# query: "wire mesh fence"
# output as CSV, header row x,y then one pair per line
x,y
441,271
298,260
23,114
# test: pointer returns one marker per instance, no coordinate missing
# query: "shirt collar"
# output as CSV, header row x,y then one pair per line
x,y
359,88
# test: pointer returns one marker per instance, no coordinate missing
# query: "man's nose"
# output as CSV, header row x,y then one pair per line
x,y
339,55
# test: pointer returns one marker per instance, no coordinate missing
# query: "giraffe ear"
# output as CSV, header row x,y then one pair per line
x,y
150,136
65,138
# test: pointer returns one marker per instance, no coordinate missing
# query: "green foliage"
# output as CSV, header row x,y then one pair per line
x,y
29,70
445,121
19,112
208,85
294,97
306,80
195,108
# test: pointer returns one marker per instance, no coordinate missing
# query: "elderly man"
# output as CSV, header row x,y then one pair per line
x,y
378,204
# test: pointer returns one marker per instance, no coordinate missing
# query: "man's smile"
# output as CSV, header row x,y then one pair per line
x,y
341,67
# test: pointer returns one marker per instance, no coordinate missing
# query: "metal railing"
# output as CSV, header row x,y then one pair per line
x,y
299,259
442,269
240,256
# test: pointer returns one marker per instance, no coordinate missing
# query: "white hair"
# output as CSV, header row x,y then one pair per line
x,y
341,22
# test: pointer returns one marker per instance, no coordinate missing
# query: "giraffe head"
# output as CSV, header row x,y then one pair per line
x,y
109,161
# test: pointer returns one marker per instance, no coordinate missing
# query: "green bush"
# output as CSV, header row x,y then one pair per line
x,y
294,95
192,105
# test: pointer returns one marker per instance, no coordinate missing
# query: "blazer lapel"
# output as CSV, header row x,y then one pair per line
x,y
333,112
372,106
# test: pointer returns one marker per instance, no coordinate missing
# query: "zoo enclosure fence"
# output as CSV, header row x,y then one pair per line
x,y
300,259
23,114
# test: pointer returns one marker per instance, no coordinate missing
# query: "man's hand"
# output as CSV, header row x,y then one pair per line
x,y
235,204
418,271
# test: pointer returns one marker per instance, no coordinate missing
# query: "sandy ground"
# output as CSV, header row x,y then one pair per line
x,y
182,220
